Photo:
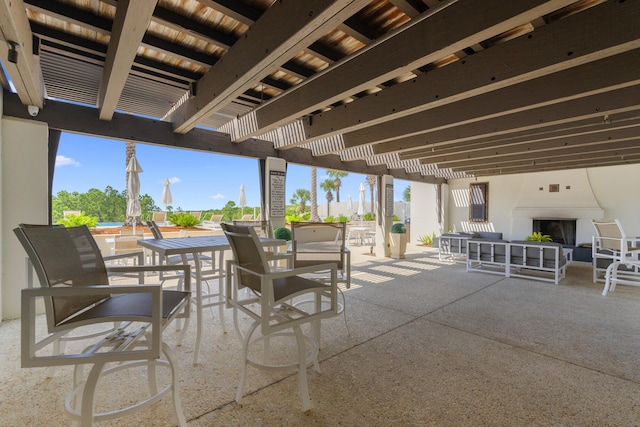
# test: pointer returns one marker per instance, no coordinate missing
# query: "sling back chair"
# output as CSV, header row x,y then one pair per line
x,y
207,269
159,217
58,345
267,304
213,222
78,298
314,243
614,254
263,228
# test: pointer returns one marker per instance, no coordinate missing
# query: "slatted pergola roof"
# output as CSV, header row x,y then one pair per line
x,y
424,90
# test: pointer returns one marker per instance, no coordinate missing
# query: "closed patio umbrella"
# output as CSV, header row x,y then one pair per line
x,y
361,202
167,199
133,191
349,204
242,200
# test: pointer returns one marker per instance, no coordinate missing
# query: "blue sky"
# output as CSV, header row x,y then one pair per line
x,y
199,180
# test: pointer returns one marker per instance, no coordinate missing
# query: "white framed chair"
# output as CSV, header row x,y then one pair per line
x,y
77,295
268,305
321,242
314,243
213,222
263,229
159,217
611,245
197,214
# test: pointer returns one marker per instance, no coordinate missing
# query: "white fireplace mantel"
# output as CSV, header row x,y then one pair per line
x,y
558,213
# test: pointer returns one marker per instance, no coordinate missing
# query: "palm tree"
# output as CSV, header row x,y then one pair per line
x,y
406,194
337,182
371,180
301,197
328,186
314,195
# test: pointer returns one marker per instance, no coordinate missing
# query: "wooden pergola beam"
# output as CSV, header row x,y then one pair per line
x,y
423,40
129,27
80,119
557,47
277,36
25,73
608,74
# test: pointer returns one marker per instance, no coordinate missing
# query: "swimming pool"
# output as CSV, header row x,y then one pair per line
x,y
110,224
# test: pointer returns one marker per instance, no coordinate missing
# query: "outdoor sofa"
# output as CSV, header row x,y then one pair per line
x,y
532,260
453,246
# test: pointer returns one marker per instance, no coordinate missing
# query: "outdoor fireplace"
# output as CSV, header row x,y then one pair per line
x,y
559,229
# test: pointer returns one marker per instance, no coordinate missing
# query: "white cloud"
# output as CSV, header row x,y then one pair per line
x,y
66,161
218,197
174,180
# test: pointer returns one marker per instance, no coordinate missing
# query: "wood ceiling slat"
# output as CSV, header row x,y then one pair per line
x,y
556,47
421,42
583,81
279,35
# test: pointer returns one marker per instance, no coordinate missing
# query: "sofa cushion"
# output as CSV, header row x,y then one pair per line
x,y
487,235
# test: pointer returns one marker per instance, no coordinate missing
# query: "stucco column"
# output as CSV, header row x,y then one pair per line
x,y
384,216
24,193
275,177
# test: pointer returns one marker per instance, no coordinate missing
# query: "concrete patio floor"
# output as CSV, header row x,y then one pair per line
x,y
429,345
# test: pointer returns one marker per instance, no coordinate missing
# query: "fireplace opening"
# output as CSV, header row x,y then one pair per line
x,y
560,230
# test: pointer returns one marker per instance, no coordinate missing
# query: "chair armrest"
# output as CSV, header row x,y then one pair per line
x,y
30,344
138,255
337,251
277,274
303,270
186,270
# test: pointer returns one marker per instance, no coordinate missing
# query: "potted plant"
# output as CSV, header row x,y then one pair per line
x,y
536,236
282,233
398,240
427,240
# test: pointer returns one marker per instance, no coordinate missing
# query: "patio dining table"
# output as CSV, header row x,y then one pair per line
x,y
196,246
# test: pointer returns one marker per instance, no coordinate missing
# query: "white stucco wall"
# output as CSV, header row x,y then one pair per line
x,y
424,218
514,199
23,198
616,190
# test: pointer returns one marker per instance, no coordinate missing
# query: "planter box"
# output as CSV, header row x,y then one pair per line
x,y
398,245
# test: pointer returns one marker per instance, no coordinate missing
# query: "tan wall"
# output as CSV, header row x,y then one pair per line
x,y
24,199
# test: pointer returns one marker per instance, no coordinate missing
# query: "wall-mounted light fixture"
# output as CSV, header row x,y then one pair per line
x,y
13,52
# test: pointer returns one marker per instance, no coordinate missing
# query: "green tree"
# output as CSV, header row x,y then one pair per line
x,y
147,205
91,202
328,186
230,211
406,194
64,201
114,205
300,198
337,182
108,205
